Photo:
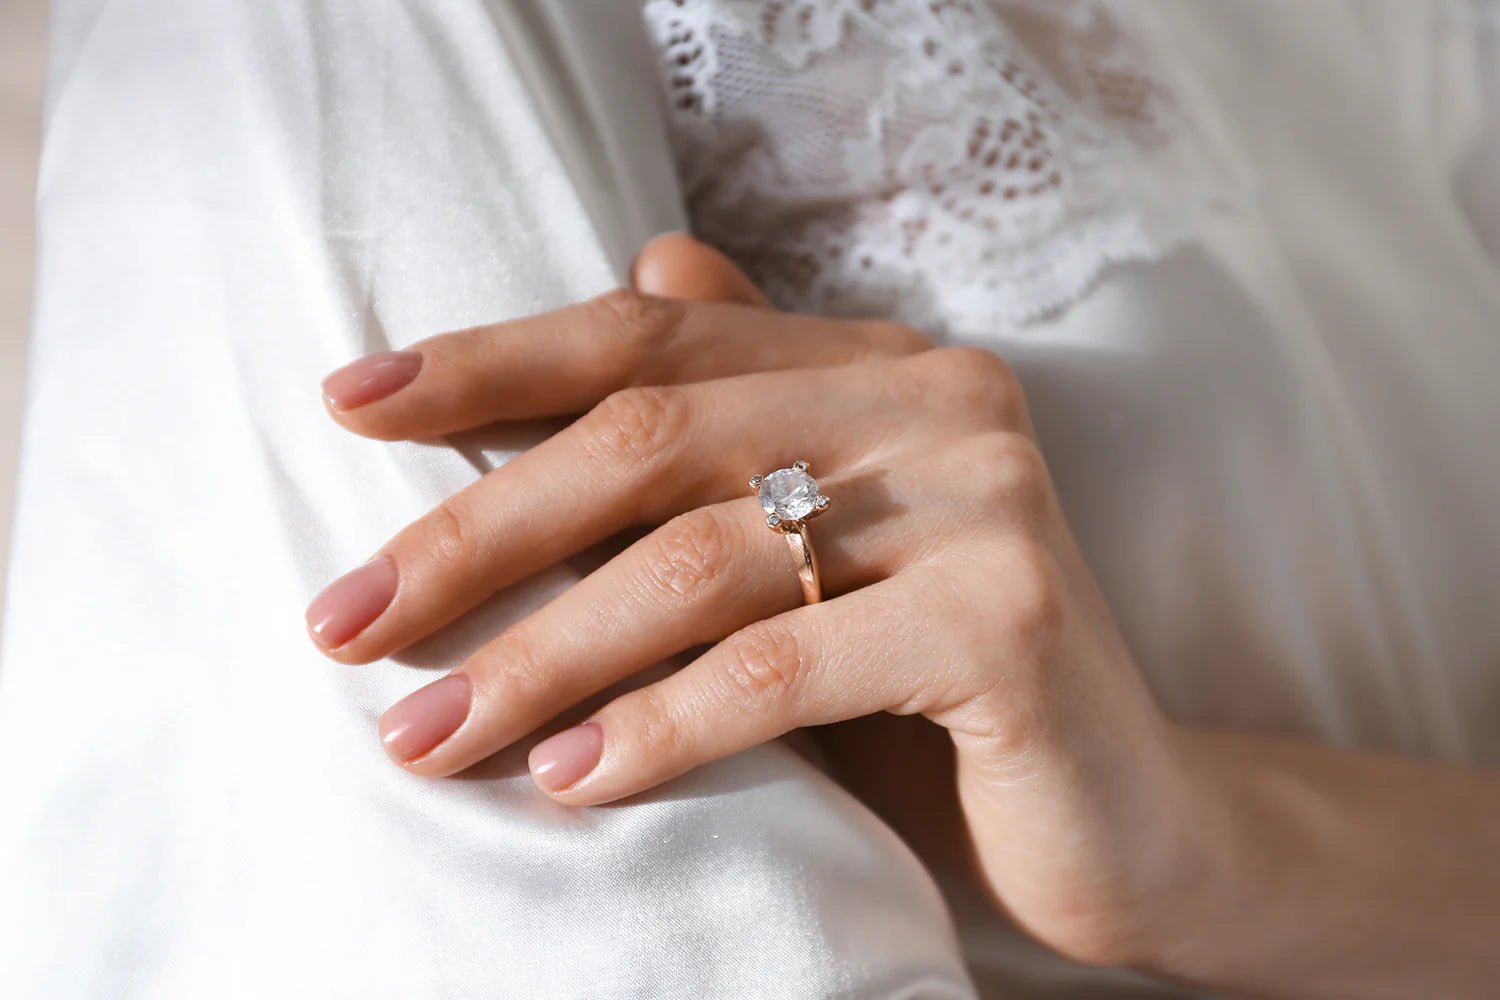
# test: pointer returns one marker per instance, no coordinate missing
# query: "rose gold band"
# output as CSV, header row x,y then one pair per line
x,y
790,497
807,564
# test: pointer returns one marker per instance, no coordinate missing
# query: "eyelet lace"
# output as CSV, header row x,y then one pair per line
x,y
949,163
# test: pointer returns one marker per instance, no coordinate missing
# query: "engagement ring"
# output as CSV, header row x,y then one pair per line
x,y
790,499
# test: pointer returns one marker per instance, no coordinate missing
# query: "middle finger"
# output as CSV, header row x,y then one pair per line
x,y
640,457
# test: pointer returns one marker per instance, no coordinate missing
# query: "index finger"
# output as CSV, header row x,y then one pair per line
x,y
564,362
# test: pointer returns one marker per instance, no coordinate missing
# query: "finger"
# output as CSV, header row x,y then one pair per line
x,y
566,361
702,576
677,266
641,457
907,644
817,664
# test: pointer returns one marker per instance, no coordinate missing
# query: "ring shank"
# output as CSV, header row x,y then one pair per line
x,y
807,564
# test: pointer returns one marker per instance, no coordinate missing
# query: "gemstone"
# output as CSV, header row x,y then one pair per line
x,y
790,494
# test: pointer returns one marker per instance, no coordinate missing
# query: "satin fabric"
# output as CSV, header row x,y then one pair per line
x,y
235,199
1276,446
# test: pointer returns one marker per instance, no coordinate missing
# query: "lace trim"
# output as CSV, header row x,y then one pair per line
x,y
945,162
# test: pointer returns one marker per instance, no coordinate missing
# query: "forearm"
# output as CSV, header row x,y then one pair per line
x,y
1340,874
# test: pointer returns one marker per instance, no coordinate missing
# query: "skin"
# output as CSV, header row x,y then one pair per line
x,y
955,593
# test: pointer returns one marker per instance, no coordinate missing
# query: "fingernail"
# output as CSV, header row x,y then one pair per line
x,y
562,760
348,605
371,378
426,717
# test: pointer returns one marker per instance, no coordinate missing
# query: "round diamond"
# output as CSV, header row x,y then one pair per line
x,y
790,494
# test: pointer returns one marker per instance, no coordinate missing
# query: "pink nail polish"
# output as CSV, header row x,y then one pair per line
x,y
562,760
426,717
371,378
348,605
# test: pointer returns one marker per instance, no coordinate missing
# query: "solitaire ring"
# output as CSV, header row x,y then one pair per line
x,y
790,499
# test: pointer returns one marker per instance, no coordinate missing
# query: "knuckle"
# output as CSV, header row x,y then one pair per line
x,y
985,645
657,734
692,552
511,669
638,424
765,662
1030,595
638,321
1009,470
450,530
979,381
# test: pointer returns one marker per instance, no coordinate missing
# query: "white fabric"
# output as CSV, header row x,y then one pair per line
x,y
235,199
1272,421
937,163
1318,347
1272,442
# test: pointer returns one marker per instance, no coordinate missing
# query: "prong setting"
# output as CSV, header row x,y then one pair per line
x,y
789,496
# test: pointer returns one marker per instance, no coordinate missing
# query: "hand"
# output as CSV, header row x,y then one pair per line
x,y
955,588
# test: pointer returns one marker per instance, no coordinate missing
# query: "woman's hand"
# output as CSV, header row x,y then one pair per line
x,y
954,587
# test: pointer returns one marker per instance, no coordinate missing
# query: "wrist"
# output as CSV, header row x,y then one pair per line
x,y
1193,903
1187,859
1258,842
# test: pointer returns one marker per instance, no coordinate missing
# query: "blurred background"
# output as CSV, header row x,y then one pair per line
x,y
22,48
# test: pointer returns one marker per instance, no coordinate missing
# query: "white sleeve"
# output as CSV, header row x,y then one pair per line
x,y
237,197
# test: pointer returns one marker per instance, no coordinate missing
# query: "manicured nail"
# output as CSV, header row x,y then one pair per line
x,y
348,605
561,760
371,378
426,717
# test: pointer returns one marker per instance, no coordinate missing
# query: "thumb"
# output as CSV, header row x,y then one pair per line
x,y
677,266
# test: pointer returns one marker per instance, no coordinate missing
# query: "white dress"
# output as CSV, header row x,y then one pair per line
x,y
1251,287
